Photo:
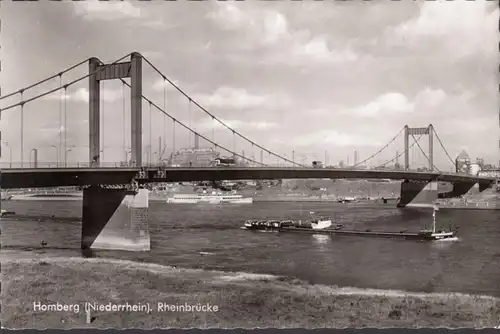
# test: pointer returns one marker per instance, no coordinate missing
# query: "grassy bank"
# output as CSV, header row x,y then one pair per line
x,y
244,300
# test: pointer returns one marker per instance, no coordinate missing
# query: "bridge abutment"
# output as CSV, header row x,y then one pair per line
x,y
417,193
115,219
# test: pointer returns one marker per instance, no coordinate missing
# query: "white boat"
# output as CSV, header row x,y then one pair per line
x,y
347,199
438,235
213,198
6,213
319,223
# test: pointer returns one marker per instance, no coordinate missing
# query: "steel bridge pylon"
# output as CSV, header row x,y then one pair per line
x,y
98,72
419,131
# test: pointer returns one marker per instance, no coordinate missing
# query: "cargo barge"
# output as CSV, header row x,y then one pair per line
x,y
323,226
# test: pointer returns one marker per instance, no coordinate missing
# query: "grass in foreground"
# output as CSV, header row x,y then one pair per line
x,y
243,303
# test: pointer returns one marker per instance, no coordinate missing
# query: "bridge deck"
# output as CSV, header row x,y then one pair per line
x,y
54,177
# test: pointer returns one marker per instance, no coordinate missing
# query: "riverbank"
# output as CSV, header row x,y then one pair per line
x,y
243,300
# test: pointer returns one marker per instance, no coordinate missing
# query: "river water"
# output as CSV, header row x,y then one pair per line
x,y
209,237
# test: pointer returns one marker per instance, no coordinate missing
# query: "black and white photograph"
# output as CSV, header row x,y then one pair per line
x,y
249,164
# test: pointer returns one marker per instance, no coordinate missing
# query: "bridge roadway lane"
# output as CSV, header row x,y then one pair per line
x,y
58,177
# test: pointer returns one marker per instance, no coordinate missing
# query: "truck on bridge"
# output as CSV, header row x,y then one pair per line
x,y
318,164
223,162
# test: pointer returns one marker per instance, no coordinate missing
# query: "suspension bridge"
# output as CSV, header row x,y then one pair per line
x,y
112,171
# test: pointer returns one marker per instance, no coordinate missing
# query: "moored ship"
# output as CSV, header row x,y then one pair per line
x,y
212,198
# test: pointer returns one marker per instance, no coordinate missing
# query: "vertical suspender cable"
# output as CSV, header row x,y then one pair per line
x,y
123,119
213,131
150,134
189,111
22,130
173,136
164,116
101,151
65,121
61,117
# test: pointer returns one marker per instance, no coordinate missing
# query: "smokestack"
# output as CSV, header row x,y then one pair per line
x,y
261,157
355,157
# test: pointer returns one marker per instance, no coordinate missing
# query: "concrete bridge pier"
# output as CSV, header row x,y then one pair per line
x,y
115,219
417,193
459,189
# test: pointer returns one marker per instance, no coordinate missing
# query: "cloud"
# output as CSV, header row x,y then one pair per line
x,y
388,103
107,10
159,84
82,95
451,25
395,103
209,124
118,10
269,30
153,54
263,27
431,97
238,98
318,50
332,138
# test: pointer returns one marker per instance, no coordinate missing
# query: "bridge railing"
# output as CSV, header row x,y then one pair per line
x,y
7,165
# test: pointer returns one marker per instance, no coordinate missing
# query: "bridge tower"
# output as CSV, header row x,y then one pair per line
x,y
429,131
115,218
131,69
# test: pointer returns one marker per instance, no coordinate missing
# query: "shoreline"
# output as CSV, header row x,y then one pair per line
x,y
245,300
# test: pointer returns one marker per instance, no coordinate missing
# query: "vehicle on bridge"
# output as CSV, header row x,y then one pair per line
x,y
318,164
223,162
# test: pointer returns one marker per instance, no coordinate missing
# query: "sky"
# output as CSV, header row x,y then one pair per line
x,y
301,77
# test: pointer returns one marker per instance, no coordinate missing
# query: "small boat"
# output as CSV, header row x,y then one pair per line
x,y
6,213
437,235
346,199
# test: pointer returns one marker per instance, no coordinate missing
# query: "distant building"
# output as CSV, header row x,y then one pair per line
x,y
463,163
475,168
490,173
201,157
